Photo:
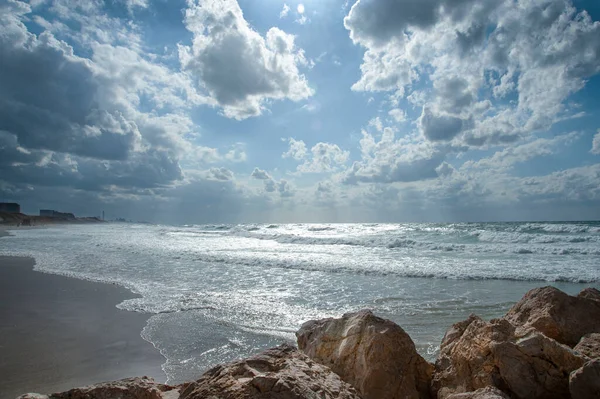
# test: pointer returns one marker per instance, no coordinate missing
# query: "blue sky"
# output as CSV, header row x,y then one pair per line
x,y
224,111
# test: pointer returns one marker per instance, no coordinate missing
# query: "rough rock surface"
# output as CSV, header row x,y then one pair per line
x,y
492,354
590,293
282,372
584,383
558,315
482,393
374,355
129,388
589,346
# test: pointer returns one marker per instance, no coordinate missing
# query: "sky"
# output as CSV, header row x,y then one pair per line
x,y
269,111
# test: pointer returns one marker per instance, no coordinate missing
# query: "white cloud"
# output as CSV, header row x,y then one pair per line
x,y
325,158
596,144
391,160
285,11
260,174
297,149
513,155
133,4
398,115
300,8
237,153
238,67
476,54
445,169
302,20
219,174
322,158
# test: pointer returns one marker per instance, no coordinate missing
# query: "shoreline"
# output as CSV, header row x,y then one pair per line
x,y
58,332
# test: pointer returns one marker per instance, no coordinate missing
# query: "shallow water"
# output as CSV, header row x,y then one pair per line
x,y
221,292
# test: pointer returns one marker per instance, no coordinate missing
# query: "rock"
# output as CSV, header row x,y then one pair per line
x,y
129,388
282,372
590,293
557,315
584,383
374,355
589,346
457,330
483,393
492,354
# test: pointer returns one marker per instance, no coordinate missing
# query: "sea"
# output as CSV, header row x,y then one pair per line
x,y
221,292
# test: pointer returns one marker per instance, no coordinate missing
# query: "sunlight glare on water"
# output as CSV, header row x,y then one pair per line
x,y
221,292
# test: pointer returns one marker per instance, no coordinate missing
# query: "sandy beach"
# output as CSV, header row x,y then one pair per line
x,y
58,332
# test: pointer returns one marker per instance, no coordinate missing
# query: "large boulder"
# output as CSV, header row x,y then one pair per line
x,y
589,345
558,315
482,393
129,388
584,383
476,354
374,355
278,373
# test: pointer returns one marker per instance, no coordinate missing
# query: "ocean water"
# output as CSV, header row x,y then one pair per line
x,y
221,292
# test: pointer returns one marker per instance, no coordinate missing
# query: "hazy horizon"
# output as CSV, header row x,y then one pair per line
x,y
303,111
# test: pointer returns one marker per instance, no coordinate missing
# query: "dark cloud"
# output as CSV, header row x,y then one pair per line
x,y
48,97
284,188
422,168
440,127
260,174
379,21
222,174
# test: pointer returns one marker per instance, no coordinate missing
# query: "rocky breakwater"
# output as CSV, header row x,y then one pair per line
x,y
547,346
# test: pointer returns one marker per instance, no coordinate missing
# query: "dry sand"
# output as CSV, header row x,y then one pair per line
x,y
57,333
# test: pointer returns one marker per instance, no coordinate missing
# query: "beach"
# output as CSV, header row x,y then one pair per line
x,y
58,332
216,293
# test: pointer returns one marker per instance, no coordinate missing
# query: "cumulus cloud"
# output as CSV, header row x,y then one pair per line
x,y
237,153
324,157
282,187
440,127
445,169
297,149
477,54
77,123
238,67
398,114
220,174
392,160
49,96
270,185
285,189
260,174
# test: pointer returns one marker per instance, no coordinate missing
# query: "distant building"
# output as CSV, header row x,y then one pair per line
x,y
10,207
54,214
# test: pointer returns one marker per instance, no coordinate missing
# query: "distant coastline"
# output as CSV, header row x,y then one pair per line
x,y
21,219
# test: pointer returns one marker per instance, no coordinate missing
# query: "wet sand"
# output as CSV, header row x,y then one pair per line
x,y
57,333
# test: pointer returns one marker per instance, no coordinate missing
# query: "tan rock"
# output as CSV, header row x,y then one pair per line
x,y
491,354
278,373
483,393
129,388
584,383
589,345
557,315
375,355
590,293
